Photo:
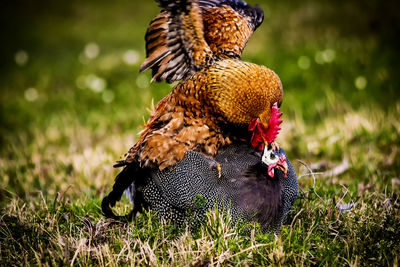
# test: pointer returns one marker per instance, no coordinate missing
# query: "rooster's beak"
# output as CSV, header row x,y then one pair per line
x,y
282,165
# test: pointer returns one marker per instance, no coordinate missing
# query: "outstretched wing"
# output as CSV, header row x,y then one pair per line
x,y
189,35
175,44
228,25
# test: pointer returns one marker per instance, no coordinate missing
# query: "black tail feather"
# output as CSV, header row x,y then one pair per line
x,y
120,163
123,180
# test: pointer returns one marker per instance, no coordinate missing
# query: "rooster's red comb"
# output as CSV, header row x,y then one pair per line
x,y
273,124
262,135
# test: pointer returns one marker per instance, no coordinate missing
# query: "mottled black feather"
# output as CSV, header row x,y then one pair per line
x,y
126,178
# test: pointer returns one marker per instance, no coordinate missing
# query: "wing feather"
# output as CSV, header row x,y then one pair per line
x,y
228,25
175,41
189,35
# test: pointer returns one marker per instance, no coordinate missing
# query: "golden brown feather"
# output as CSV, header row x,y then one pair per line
x,y
227,32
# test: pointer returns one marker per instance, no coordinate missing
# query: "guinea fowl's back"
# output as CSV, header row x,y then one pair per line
x,y
244,188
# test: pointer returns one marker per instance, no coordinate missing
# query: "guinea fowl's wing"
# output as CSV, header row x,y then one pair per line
x,y
228,25
188,35
175,44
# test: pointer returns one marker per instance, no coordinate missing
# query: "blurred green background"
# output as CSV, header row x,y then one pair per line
x,y
72,99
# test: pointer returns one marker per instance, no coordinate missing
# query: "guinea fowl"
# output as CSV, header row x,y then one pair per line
x,y
245,187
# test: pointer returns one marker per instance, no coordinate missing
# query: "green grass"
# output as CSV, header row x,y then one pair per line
x,y
66,117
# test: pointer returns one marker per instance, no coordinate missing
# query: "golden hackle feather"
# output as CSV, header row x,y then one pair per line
x,y
242,91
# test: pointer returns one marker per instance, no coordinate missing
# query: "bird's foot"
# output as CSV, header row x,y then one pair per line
x,y
219,168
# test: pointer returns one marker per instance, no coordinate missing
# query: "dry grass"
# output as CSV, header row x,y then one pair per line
x,y
64,224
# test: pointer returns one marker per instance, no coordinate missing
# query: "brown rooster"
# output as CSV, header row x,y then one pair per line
x,y
200,42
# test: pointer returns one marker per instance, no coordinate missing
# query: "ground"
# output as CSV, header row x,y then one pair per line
x,y
72,103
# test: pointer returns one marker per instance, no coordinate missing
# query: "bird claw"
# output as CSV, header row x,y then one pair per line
x,y
217,166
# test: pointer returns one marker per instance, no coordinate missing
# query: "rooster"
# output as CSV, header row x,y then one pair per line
x,y
220,97
201,44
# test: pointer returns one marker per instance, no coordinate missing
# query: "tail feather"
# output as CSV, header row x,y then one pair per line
x,y
124,179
